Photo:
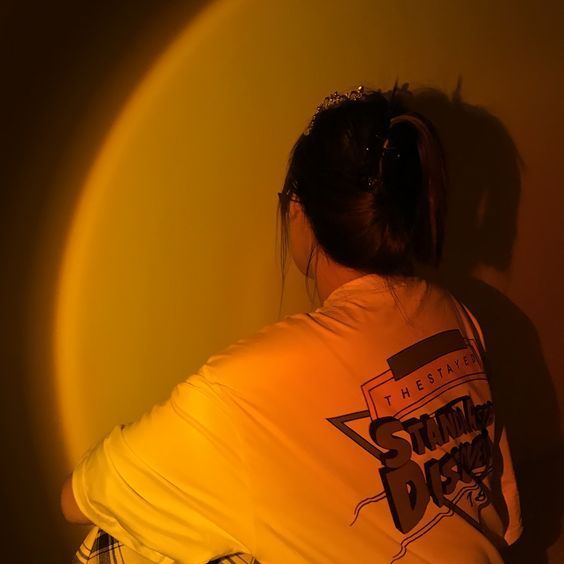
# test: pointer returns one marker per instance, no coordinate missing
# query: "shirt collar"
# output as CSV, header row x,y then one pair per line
x,y
369,283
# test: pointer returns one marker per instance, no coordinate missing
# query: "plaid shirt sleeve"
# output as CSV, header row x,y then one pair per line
x,y
101,548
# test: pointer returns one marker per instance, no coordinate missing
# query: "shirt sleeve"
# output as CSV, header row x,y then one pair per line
x,y
172,485
510,493
509,488
476,325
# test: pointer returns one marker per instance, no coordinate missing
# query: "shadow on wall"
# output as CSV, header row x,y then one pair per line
x,y
484,175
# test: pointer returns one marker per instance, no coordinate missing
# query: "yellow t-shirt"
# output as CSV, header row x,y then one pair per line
x,y
363,431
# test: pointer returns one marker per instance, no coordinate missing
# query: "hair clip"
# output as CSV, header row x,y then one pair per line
x,y
393,150
335,99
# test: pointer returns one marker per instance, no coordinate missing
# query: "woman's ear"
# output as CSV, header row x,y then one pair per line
x,y
297,211
295,208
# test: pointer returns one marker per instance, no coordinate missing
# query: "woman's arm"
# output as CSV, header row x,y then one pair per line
x,y
69,507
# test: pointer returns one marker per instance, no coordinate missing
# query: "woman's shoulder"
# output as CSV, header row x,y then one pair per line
x,y
278,342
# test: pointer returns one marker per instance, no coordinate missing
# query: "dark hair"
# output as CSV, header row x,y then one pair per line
x,y
397,225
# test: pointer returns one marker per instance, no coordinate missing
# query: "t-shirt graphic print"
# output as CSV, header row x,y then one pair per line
x,y
429,424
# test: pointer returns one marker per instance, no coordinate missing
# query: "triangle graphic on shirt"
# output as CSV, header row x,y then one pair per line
x,y
341,423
